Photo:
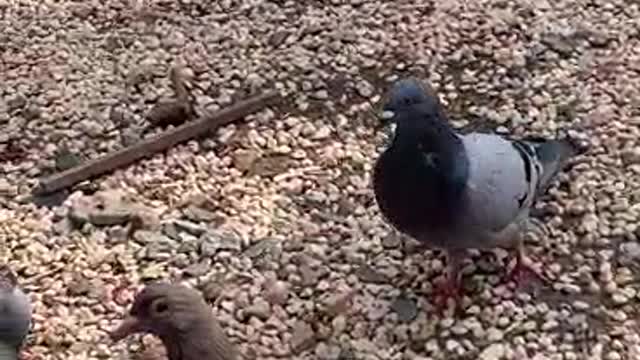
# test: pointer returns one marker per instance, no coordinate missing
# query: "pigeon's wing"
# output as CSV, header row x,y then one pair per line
x,y
552,155
503,176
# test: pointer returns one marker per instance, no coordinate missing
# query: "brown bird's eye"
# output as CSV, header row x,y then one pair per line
x,y
159,307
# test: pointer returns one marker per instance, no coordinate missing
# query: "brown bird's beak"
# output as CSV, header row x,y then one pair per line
x,y
130,325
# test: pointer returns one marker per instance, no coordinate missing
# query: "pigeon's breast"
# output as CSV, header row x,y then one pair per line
x,y
411,198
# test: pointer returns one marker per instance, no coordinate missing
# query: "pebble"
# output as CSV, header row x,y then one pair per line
x,y
365,89
16,103
6,189
276,292
494,334
103,209
620,298
613,355
198,269
329,352
198,214
452,345
159,247
493,352
260,309
243,159
405,308
212,242
322,133
190,227
302,338
580,305
518,69
631,249
339,325
321,94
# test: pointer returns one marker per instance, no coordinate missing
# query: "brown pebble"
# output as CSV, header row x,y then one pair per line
x,y
166,113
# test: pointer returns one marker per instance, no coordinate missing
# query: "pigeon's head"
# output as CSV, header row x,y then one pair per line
x,y
407,93
162,309
412,108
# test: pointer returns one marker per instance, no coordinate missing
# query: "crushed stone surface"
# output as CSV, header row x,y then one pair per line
x,y
274,218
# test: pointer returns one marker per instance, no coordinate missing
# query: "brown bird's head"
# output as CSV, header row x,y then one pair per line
x,y
163,310
181,318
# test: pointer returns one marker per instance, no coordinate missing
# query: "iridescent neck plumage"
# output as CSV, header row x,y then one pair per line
x,y
428,140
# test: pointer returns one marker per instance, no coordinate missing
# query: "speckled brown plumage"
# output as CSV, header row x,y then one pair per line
x,y
181,319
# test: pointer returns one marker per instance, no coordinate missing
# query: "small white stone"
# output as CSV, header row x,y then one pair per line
x,y
492,352
452,345
613,355
494,334
549,325
619,298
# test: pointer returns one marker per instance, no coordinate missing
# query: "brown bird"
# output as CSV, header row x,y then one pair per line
x,y
182,320
15,314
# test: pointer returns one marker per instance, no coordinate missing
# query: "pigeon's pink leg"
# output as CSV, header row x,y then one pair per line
x,y
522,269
451,286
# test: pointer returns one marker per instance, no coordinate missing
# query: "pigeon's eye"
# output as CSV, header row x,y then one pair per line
x,y
159,307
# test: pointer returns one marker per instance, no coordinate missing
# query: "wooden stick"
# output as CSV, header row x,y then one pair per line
x,y
152,145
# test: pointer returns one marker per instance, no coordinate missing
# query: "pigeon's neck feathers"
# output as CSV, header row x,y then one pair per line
x,y
420,179
424,133
204,339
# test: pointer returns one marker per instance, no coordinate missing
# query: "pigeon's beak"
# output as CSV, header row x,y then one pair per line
x,y
387,115
130,325
385,119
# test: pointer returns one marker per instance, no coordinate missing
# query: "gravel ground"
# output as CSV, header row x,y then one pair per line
x,y
275,219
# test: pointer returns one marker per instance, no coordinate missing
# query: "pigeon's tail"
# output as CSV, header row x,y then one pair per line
x,y
553,156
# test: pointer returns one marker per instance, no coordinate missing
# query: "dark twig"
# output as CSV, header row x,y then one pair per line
x,y
153,145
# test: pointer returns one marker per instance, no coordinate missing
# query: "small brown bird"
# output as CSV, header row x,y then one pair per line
x,y
15,314
182,320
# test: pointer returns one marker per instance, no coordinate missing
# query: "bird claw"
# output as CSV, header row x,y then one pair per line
x,y
522,272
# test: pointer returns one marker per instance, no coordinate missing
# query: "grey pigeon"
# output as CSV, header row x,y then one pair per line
x,y
456,192
183,321
15,314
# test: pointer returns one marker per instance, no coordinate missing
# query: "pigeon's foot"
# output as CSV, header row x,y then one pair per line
x,y
523,272
449,288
